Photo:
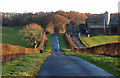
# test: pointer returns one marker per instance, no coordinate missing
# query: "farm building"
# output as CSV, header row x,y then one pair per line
x,y
96,24
82,28
118,27
73,29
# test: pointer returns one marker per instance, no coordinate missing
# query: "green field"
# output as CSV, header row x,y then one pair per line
x,y
27,65
110,64
11,35
100,39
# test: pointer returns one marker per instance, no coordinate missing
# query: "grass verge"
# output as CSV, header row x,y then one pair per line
x,y
110,64
98,40
84,42
63,45
27,65
48,46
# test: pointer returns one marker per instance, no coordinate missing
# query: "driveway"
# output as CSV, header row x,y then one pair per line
x,y
60,65
77,42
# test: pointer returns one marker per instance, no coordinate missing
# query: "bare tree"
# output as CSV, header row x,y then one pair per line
x,y
50,28
33,33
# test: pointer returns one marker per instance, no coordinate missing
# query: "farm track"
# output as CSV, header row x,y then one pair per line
x,y
77,42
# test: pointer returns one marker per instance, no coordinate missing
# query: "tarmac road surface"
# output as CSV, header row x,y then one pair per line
x,y
60,65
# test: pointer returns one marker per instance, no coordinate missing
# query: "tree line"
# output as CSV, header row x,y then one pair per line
x,y
48,20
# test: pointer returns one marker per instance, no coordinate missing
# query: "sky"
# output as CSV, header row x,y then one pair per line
x,y
83,6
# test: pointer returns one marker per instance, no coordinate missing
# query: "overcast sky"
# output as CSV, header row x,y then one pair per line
x,y
83,6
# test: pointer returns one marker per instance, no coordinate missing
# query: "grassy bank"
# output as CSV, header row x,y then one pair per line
x,y
110,64
63,45
48,46
11,35
27,65
100,39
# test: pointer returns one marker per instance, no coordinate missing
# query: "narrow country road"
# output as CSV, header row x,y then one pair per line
x,y
60,65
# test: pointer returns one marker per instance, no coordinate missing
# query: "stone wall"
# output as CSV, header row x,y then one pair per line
x,y
110,49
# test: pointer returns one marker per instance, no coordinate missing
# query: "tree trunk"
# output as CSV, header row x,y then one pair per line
x,y
35,44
